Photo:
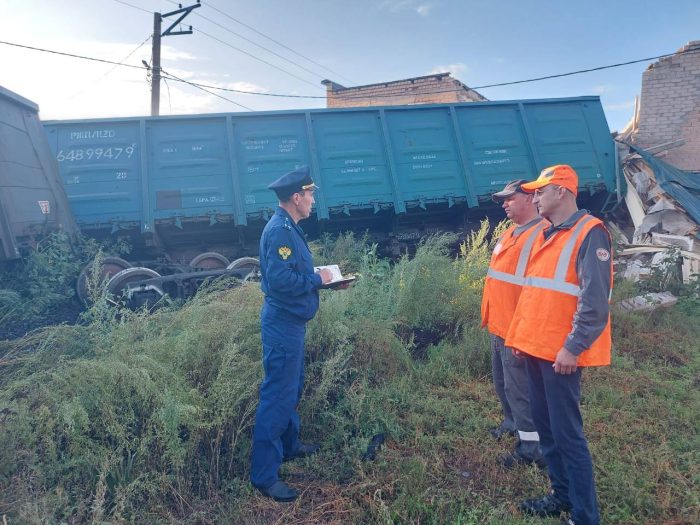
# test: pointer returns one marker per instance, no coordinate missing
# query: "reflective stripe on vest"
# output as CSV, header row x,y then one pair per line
x,y
558,283
519,277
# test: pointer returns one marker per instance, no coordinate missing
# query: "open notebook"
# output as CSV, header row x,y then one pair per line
x,y
338,277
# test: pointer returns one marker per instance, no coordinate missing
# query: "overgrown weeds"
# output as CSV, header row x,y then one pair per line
x,y
146,418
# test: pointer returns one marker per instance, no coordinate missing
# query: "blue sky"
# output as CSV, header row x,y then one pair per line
x,y
350,42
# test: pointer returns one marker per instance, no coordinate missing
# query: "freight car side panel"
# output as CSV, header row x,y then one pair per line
x,y
100,166
32,200
562,135
426,156
352,161
265,148
496,147
188,168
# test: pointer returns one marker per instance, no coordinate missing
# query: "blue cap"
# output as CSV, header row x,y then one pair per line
x,y
293,182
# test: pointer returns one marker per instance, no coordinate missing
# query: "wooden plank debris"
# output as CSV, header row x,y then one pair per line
x,y
647,302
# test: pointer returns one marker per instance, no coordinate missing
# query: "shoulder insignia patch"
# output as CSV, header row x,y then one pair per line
x,y
284,252
286,224
602,254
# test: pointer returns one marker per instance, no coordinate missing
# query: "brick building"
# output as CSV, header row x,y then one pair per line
x,y
429,89
669,107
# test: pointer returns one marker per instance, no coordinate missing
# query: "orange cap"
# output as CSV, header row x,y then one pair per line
x,y
562,175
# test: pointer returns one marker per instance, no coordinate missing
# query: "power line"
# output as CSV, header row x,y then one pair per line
x,y
134,6
257,93
580,71
205,86
277,42
254,43
238,49
121,63
71,55
257,58
454,90
173,77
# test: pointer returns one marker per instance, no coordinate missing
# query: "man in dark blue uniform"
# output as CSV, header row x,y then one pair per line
x,y
291,299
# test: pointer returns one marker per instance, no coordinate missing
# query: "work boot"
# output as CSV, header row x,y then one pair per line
x,y
302,451
548,505
515,458
279,491
526,453
500,431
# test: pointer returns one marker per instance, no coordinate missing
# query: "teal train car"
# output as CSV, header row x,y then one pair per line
x,y
190,192
198,182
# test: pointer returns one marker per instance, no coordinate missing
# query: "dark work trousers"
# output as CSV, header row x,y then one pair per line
x,y
276,432
555,408
510,382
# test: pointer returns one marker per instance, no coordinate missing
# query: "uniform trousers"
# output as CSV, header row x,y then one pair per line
x,y
276,432
510,382
555,408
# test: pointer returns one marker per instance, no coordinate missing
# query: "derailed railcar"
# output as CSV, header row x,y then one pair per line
x,y
32,200
198,183
192,190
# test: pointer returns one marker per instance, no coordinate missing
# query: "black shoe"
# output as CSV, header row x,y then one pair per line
x,y
549,505
515,458
499,431
279,491
303,451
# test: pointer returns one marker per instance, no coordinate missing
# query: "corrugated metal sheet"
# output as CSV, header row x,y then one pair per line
x,y
683,186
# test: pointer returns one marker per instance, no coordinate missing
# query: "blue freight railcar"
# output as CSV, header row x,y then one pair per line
x,y
197,183
32,200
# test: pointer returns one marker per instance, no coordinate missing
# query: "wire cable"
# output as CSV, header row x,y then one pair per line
x,y
194,84
277,42
257,58
284,95
253,42
71,55
468,88
237,49
173,77
121,63
134,6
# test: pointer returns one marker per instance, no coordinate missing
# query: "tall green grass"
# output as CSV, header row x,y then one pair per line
x,y
146,418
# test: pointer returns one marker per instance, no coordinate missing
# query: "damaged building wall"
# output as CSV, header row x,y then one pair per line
x,y
430,89
670,107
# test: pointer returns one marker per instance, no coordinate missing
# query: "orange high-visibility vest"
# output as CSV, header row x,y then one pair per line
x,y
545,313
505,278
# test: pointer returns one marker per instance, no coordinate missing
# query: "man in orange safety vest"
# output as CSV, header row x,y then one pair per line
x,y
504,281
562,323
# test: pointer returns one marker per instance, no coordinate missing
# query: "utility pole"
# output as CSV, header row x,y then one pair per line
x,y
155,77
157,18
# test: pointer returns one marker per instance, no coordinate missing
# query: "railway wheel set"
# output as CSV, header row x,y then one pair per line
x,y
137,286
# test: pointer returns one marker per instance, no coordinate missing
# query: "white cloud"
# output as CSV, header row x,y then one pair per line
x,y
242,85
602,88
420,7
455,69
173,54
88,89
619,107
424,10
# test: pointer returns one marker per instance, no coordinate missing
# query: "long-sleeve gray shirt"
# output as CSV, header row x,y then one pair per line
x,y
593,263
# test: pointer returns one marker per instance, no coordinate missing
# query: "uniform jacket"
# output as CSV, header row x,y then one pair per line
x,y
506,276
288,279
565,298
